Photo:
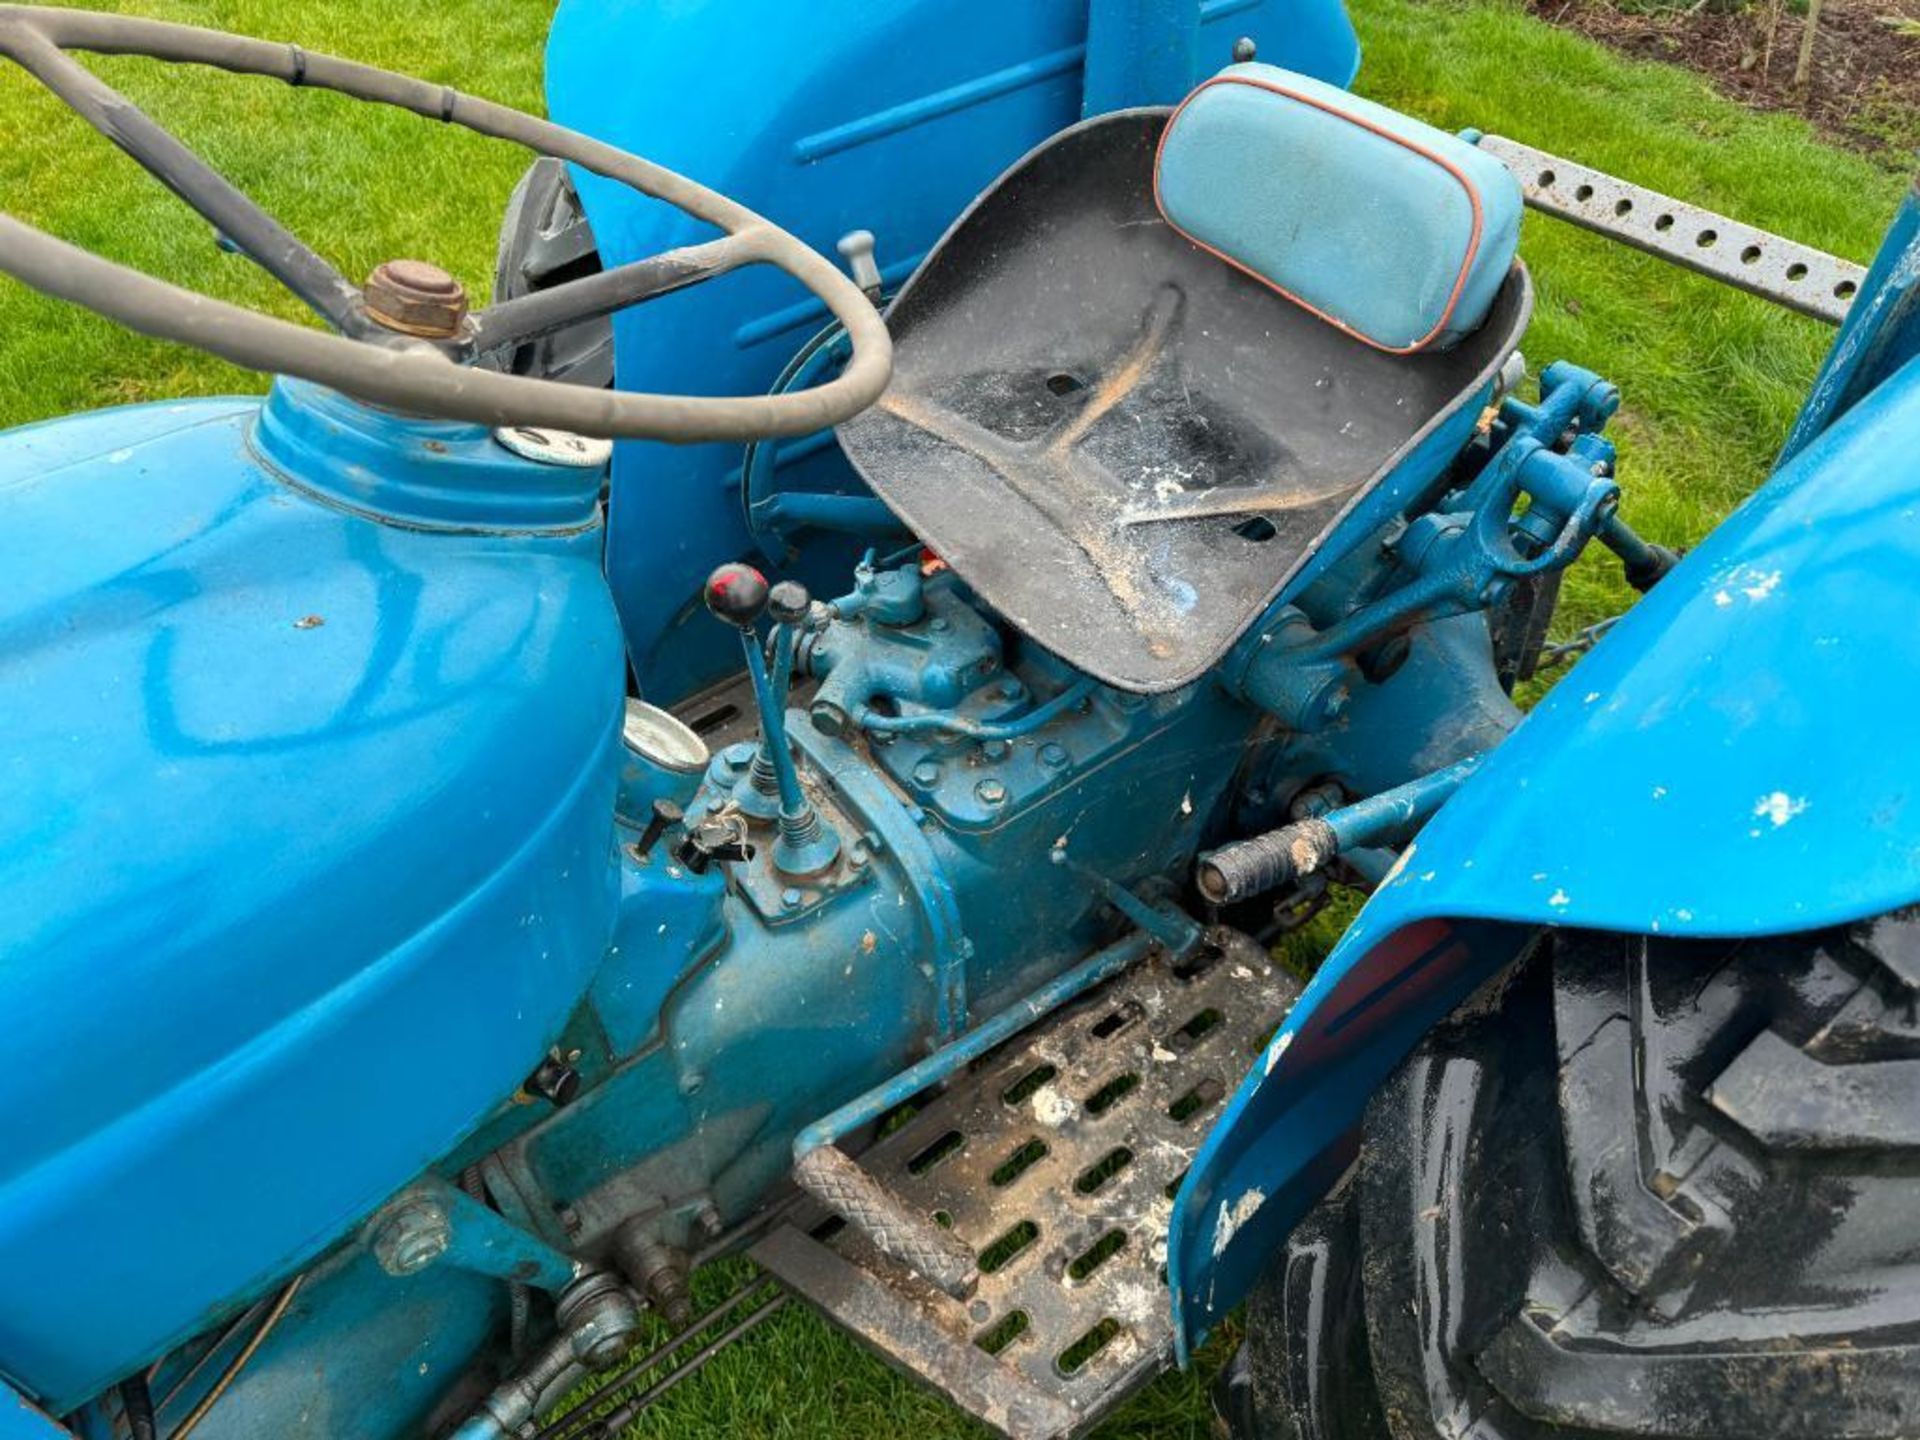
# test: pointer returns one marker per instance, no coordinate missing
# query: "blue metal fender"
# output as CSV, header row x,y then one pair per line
x,y
828,117
1736,758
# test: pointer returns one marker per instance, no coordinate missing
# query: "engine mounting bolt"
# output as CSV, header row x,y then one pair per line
x,y
926,774
412,1238
790,898
416,298
859,858
740,754
707,1216
1053,755
991,792
994,749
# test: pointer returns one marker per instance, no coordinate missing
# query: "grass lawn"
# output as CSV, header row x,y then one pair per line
x,y
1711,378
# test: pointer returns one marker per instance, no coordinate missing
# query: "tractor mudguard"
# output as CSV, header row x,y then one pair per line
x,y
1728,762
833,116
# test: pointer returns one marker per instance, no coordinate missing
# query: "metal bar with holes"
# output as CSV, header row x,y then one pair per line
x,y
1717,246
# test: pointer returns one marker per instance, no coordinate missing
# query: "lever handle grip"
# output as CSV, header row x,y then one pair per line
x,y
736,594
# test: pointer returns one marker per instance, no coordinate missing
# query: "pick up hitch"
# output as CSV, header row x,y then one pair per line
x,y
1280,857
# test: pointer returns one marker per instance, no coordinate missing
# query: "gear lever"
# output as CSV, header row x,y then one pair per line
x,y
738,595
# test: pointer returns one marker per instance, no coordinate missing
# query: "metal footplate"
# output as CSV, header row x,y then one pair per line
x,y
1783,271
1052,1164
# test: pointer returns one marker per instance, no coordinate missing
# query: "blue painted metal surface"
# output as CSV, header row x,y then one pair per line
x,y
350,689
22,1420
1881,332
819,132
311,854
1728,752
993,843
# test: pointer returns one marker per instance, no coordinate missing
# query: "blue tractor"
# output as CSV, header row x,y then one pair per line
x,y
560,792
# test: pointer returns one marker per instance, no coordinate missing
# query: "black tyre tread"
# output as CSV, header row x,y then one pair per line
x,y
1606,1200
1307,1374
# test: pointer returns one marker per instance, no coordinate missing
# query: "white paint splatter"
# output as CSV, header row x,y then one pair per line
x,y
1277,1049
1592,695
1399,865
1559,899
1231,1217
1779,807
1756,585
1052,1108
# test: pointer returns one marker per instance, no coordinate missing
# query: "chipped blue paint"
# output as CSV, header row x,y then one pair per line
x,y
1737,750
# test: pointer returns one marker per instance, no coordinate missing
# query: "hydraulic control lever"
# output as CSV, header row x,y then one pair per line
x,y
739,595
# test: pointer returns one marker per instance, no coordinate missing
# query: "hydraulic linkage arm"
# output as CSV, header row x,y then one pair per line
x,y
1717,246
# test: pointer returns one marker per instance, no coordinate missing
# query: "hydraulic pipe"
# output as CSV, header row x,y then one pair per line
x,y
872,721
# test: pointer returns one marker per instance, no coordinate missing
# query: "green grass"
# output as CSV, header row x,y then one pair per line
x,y
361,183
1712,378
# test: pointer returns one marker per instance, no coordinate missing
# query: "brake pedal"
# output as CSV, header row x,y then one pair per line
x,y
1053,1162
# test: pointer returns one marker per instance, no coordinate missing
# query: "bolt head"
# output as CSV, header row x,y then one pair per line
x,y
994,749
991,792
1054,755
412,1238
926,774
416,298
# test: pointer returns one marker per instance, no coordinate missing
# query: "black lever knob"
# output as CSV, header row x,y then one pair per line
x,y
788,602
717,840
737,594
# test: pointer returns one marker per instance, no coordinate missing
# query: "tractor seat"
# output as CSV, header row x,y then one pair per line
x,y
1170,365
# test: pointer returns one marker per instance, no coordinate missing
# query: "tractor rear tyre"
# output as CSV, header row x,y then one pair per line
x,y
1637,1187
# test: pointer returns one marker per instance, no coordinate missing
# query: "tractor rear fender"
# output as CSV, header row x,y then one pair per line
x,y
1736,758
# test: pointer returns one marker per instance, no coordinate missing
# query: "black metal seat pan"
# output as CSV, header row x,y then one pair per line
x,y
1127,447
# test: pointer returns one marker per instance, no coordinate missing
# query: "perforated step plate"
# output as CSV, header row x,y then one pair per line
x,y
1056,1159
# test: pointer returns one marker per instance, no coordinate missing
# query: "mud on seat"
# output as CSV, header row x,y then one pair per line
x,y
1129,444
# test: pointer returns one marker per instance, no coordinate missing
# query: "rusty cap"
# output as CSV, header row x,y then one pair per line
x,y
416,298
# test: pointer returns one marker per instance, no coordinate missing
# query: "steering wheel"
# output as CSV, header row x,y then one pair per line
x,y
406,341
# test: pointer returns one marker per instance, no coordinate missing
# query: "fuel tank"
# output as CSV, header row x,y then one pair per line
x,y
311,740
